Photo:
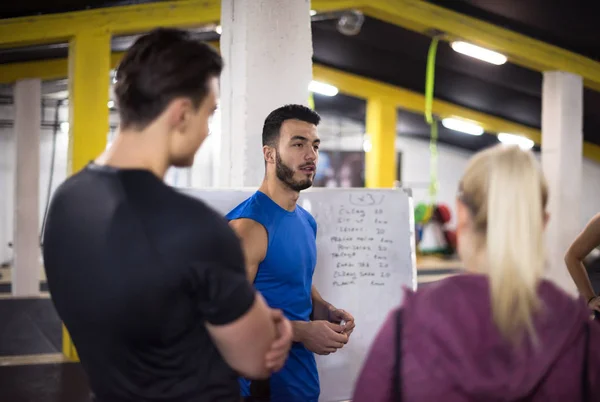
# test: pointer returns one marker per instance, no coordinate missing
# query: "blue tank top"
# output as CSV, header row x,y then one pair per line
x,y
284,278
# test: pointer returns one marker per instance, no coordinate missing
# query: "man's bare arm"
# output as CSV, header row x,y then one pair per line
x,y
324,334
254,240
587,240
321,308
320,312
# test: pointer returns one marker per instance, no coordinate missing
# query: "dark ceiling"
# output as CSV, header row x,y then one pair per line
x,y
571,25
397,56
23,8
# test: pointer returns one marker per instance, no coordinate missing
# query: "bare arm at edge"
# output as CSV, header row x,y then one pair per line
x,y
587,240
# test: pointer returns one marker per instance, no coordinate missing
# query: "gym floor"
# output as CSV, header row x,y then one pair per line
x,y
32,366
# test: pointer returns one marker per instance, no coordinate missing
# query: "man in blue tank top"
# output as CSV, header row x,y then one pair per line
x,y
279,240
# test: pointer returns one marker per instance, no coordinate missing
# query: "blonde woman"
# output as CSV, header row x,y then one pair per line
x,y
500,332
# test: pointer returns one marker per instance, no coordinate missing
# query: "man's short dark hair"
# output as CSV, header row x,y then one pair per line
x,y
273,122
159,67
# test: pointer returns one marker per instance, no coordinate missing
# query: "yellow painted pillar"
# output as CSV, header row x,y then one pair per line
x,y
89,79
380,164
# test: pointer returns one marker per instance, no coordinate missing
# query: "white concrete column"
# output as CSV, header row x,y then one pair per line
x,y
267,47
203,170
7,186
26,268
562,148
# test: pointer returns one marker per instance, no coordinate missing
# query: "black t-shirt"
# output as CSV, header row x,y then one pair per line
x,y
135,270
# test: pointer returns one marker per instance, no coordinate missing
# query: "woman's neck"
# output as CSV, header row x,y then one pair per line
x,y
474,257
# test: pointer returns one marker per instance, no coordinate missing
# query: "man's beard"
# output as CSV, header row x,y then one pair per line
x,y
286,175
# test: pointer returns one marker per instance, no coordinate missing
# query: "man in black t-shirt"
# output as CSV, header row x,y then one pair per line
x,y
150,283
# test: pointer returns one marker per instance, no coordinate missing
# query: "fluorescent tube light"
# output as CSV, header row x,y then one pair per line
x,y
513,139
462,126
367,145
479,53
322,88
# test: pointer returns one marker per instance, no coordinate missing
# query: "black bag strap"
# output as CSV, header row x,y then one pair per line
x,y
585,393
397,377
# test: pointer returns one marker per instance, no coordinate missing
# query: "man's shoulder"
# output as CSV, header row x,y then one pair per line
x,y
197,212
305,213
78,190
76,182
252,208
249,219
200,229
308,216
248,228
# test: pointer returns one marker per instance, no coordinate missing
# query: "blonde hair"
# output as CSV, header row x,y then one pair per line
x,y
506,194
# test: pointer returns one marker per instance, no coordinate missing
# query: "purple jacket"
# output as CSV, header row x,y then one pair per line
x,y
452,351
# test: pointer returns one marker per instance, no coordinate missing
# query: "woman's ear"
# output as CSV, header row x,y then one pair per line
x,y
462,215
546,219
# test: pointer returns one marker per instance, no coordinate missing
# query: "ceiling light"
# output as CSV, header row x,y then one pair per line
x,y
111,104
313,13
513,139
462,126
322,88
479,53
351,22
219,29
367,145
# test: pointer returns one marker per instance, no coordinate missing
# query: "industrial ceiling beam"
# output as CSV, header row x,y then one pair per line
x,y
424,17
416,15
347,83
122,20
55,28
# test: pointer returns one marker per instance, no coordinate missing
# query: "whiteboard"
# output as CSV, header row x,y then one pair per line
x,y
365,255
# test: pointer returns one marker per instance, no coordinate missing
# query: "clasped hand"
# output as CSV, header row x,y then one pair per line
x,y
337,315
325,337
321,336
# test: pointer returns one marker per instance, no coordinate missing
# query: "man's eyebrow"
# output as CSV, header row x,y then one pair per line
x,y
304,139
